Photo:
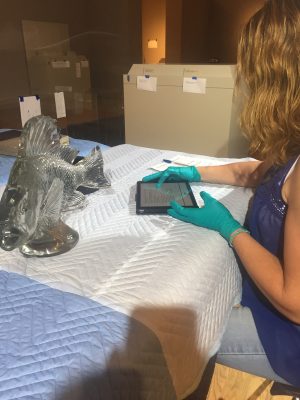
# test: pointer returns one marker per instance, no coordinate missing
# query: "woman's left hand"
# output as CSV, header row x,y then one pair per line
x,y
213,215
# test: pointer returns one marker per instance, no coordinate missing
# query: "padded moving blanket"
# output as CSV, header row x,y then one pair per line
x,y
165,289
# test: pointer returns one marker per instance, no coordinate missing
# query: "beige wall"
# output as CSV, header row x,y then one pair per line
x,y
201,30
173,30
226,20
195,26
154,27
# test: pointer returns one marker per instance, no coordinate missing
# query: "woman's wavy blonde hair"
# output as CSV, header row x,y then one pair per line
x,y
269,66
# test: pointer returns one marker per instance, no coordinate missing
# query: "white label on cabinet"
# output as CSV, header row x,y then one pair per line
x,y
194,85
147,82
29,107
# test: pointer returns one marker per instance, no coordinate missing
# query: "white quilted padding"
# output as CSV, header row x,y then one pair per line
x,y
178,279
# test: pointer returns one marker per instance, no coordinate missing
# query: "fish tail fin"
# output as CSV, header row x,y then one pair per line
x,y
94,174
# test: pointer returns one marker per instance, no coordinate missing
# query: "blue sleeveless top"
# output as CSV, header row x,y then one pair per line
x,y
265,220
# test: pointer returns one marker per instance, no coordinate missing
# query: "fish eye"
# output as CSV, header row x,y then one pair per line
x,y
24,207
13,195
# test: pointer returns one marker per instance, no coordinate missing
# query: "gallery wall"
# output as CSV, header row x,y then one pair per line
x,y
195,37
107,33
13,73
225,22
196,31
113,35
154,28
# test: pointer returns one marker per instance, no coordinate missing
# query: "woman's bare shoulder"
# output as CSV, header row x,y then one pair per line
x,y
291,187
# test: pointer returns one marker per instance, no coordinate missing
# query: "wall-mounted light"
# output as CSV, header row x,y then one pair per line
x,y
152,43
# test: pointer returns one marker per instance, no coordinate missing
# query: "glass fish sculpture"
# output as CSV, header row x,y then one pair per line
x,y
41,186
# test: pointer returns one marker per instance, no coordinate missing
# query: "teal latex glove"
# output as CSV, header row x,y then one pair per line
x,y
190,174
213,215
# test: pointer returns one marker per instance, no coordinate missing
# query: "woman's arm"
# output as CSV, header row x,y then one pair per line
x,y
280,283
248,173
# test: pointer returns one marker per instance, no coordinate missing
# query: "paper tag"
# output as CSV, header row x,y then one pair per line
x,y
147,82
30,106
63,88
60,105
161,167
60,64
194,85
84,63
78,70
185,160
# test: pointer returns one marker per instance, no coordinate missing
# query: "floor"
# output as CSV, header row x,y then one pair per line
x,y
230,384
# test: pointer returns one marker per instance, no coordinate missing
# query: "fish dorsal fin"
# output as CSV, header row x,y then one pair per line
x,y
67,153
39,136
52,204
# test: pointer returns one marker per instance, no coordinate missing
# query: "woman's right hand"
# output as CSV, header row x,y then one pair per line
x,y
171,174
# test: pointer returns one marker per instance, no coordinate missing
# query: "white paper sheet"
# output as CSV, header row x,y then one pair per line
x,y
194,85
185,160
78,70
176,162
147,82
60,104
84,63
61,64
30,106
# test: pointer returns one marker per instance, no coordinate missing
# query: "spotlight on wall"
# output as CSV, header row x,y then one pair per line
x,y
152,44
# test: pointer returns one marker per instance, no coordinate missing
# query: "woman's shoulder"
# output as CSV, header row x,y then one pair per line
x,y
291,187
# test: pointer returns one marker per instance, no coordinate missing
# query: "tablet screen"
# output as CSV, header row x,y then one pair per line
x,y
150,199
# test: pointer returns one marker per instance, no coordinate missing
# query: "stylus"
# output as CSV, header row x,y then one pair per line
x,y
174,162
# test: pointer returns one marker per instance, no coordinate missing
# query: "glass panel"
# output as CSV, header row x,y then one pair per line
x,y
80,48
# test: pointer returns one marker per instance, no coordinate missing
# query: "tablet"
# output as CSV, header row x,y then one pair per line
x,y
151,200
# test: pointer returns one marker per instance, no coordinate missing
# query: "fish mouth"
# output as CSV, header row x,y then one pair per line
x,y
10,238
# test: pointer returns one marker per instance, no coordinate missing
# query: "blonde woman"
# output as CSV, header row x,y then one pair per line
x,y
267,325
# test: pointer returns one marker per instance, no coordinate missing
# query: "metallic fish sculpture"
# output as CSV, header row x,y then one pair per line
x,y
42,184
